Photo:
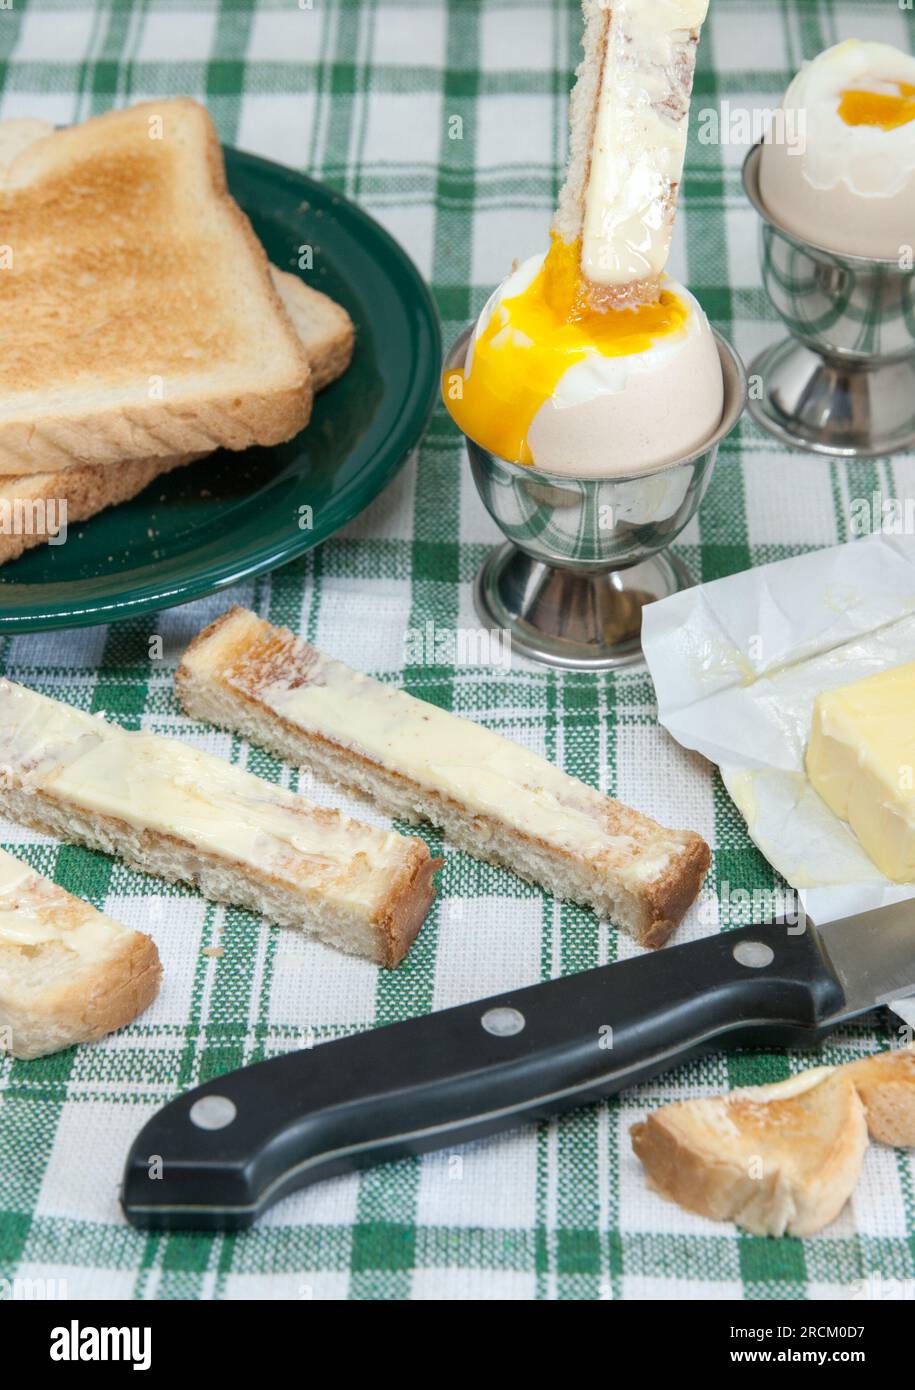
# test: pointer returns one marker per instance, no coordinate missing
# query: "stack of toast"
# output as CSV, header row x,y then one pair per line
x,y
141,324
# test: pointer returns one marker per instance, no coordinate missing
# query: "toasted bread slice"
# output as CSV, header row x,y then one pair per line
x,y
886,1085
773,1159
31,507
68,973
323,327
168,809
492,797
157,329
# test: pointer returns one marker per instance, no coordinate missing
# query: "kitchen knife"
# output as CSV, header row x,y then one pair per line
x,y
220,1154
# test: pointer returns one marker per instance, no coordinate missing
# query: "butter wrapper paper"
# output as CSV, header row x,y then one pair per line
x,y
737,665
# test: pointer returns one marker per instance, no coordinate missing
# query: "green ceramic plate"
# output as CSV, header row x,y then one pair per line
x,y
231,516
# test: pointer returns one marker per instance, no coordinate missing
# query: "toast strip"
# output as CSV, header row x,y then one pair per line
x,y
68,973
168,809
493,798
160,332
628,118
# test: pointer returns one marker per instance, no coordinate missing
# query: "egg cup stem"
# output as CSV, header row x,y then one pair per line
x,y
828,406
581,622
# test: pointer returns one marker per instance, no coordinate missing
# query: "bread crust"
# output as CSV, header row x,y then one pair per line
x,y
330,352
670,895
87,489
114,997
273,405
236,636
409,901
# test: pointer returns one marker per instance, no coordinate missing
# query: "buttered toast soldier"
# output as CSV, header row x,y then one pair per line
x,y
493,798
169,809
628,118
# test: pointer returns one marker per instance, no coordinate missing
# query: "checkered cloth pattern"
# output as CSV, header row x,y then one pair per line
x,y
447,122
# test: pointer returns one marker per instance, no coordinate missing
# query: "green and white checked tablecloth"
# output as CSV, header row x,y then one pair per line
x,y
362,93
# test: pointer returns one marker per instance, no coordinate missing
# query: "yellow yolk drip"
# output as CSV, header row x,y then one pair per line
x,y
884,109
530,342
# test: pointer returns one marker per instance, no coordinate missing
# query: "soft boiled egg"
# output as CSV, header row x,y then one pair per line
x,y
549,381
840,170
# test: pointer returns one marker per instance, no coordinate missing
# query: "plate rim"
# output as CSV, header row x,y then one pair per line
x,y
387,460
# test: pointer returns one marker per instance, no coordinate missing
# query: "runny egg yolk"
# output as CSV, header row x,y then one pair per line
x,y
533,338
884,109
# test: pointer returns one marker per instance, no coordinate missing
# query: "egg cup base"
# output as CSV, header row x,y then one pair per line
x,y
826,406
576,621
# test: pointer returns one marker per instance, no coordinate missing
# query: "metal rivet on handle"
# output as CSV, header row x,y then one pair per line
x,y
502,1023
213,1112
755,954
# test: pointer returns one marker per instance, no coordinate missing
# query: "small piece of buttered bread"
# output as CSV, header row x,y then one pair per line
x,y
68,973
492,797
169,809
157,329
773,1159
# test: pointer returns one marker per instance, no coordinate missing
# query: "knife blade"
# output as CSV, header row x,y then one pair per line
x,y
219,1155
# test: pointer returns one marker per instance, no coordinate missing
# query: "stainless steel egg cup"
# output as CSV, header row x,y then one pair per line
x,y
843,383
584,555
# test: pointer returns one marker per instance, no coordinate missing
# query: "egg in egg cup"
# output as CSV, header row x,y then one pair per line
x,y
837,225
583,555
843,383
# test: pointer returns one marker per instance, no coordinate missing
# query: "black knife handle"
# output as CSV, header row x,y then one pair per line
x,y
446,1078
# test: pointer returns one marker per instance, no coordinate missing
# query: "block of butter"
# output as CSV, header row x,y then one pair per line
x,y
861,760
